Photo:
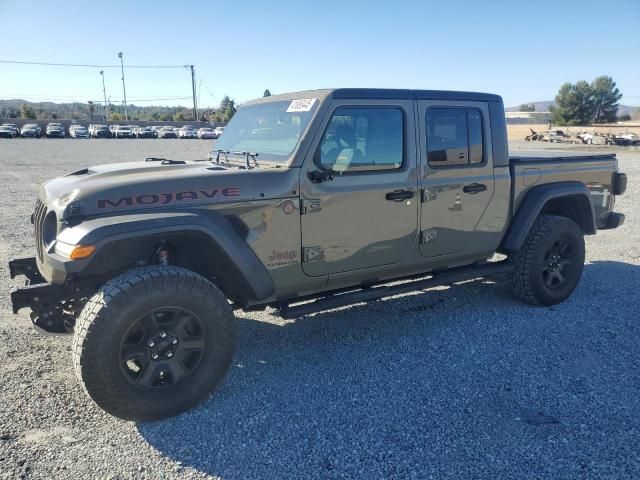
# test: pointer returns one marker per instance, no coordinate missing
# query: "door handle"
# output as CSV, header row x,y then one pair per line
x,y
474,188
399,195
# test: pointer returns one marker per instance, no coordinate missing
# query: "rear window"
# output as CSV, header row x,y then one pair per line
x,y
454,136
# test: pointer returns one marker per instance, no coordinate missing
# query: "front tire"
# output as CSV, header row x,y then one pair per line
x,y
548,266
153,342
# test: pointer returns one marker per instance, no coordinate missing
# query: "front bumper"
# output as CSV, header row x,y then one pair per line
x,y
614,220
52,306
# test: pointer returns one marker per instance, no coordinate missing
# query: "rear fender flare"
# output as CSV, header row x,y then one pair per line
x,y
535,202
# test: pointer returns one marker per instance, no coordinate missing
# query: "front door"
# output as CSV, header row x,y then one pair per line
x,y
457,175
359,188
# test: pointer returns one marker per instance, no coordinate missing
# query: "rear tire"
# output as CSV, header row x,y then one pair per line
x,y
548,267
112,358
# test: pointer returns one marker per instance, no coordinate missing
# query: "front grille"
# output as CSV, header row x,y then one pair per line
x,y
38,223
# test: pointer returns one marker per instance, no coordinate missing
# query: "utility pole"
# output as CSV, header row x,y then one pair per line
x,y
124,90
193,88
104,91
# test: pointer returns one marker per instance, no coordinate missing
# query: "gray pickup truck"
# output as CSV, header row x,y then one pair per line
x,y
309,201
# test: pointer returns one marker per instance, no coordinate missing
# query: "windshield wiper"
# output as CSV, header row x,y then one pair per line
x,y
248,155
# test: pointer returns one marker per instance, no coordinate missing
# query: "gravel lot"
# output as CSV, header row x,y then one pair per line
x,y
454,383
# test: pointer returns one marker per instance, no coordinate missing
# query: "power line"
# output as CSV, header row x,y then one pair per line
x,y
86,65
19,96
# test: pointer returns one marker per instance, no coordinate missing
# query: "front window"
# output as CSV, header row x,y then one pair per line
x,y
363,139
272,130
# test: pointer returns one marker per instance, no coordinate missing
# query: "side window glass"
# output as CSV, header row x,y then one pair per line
x,y
476,145
454,136
363,139
447,136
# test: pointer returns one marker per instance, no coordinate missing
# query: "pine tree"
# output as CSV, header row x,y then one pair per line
x,y
606,97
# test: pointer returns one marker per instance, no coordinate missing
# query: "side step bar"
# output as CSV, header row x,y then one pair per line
x,y
445,277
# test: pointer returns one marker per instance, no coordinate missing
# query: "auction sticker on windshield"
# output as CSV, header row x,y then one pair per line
x,y
301,105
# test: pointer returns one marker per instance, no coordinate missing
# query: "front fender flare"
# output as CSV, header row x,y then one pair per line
x,y
120,235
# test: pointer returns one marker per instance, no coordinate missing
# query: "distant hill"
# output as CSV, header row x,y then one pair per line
x,y
544,107
80,111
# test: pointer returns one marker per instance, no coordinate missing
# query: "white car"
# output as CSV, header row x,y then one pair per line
x,y
219,131
14,127
629,138
593,139
7,132
553,136
187,132
123,131
78,131
206,133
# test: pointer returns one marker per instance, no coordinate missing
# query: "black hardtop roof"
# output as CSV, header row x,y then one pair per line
x,y
402,94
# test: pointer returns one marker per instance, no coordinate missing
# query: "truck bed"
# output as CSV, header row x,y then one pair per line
x,y
539,168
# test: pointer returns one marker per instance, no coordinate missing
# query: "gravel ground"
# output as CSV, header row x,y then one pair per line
x,y
454,383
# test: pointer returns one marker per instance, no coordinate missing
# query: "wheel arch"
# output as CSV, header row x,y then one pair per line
x,y
211,244
571,200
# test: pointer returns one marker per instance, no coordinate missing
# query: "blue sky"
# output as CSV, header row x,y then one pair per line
x,y
522,50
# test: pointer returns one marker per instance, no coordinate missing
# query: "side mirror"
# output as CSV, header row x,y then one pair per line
x,y
319,176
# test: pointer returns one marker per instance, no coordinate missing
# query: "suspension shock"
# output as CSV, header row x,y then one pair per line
x,y
162,253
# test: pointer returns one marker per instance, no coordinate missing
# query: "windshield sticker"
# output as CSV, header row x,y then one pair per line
x,y
301,105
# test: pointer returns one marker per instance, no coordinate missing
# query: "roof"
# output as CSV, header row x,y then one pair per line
x,y
397,94
382,93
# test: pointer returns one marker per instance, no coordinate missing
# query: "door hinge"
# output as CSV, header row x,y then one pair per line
x,y
312,254
427,236
309,205
429,194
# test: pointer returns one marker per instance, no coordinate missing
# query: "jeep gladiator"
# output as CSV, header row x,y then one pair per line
x,y
309,201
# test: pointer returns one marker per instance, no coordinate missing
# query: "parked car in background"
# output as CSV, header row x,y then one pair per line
x,y
145,132
31,130
54,130
7,131
218,131
123,131
595,139
112,129
206,133
14,127
78,132
100,131
167,132
188,131
627,139
553,136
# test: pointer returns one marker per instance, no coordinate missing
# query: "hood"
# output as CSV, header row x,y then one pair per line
x,y
126,187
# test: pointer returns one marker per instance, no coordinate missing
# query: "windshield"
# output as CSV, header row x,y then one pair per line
x,y
272,130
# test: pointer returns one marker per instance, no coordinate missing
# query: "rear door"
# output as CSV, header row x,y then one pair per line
x,y
457,175
366,215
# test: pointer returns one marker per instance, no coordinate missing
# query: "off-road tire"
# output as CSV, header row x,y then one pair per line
x,y
110,312
527,278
